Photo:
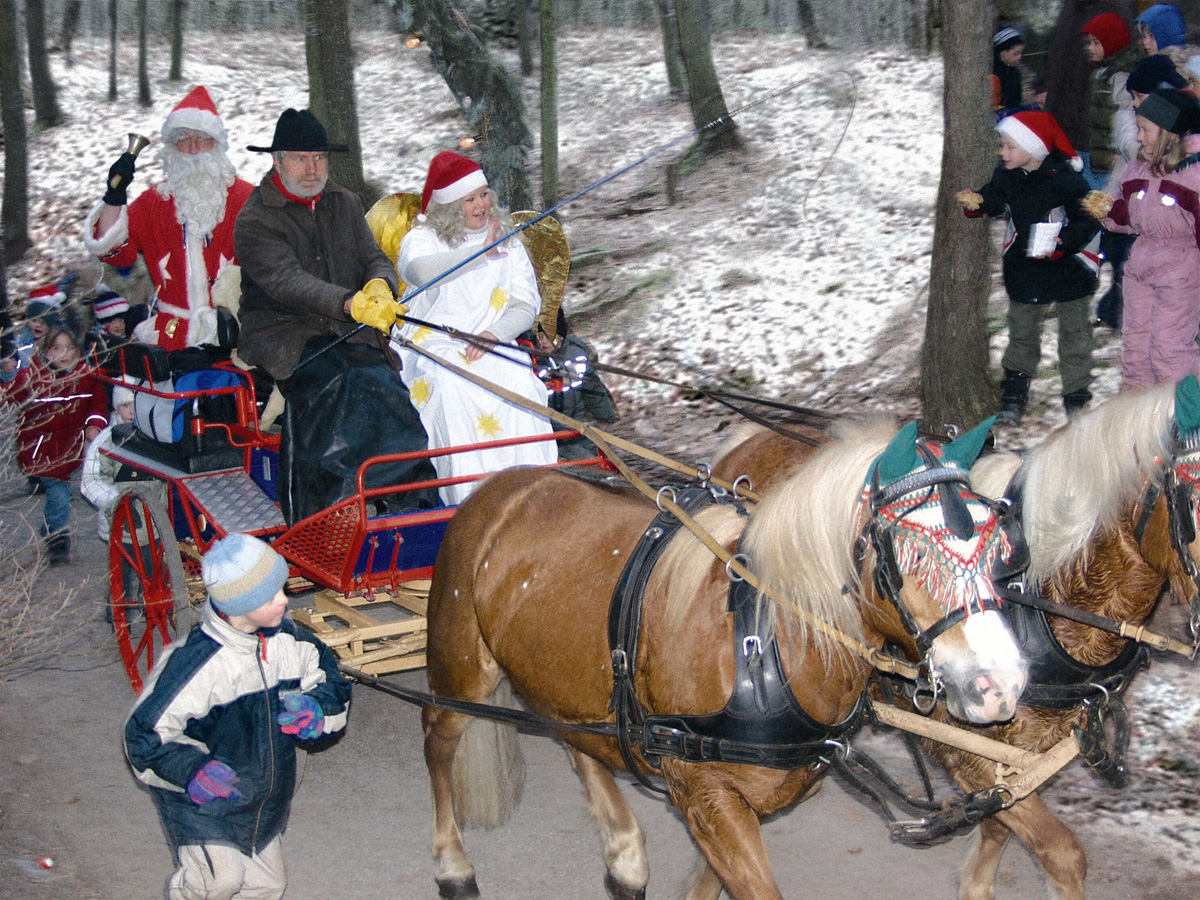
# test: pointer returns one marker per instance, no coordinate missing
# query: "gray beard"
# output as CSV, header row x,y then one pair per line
x,y
199,184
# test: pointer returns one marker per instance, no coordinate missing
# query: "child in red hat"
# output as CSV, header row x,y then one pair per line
x,y
1051,255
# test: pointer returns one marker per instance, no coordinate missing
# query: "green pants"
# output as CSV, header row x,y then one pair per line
x,y
1074,340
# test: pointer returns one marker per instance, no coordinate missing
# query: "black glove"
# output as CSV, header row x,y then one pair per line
x,y
119,178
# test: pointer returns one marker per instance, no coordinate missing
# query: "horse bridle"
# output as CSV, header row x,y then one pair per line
x,y
877,534
1181,515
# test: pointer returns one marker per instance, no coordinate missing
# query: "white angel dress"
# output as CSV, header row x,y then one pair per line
x,y
499,295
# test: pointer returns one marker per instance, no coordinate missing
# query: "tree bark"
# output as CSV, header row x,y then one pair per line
x,y
14,217
112,51
486,92
676,79
45,95
144,98
808,24
331,89
70,26
178,20
549,104
524,36
955,385
704,90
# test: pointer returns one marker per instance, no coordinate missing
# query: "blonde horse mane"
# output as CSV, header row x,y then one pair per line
x,y
800,538
1078,479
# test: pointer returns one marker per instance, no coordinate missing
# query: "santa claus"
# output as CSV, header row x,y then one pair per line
x,y
183,228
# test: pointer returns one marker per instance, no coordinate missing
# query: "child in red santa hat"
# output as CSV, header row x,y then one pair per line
x,y
1051,255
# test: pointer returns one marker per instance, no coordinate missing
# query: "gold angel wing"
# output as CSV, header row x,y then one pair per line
x,y
551,257
390,219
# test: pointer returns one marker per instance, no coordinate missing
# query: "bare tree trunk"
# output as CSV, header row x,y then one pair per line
x,y
14,217
486,92
112,51
178,20
331,88
70,26
955,385
45,95
704,90
808,24
676,79
549,104
524,36
144,99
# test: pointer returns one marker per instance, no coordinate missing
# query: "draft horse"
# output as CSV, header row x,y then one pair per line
x,y
521,595
1109,510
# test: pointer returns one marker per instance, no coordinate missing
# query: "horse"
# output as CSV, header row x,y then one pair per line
x,y
1096,507
499,618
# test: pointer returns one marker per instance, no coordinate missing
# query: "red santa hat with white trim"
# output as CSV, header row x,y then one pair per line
x,y
451,177
45,301
196,112
1038,133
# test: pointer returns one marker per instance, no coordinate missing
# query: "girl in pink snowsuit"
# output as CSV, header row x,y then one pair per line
x,y
1160,203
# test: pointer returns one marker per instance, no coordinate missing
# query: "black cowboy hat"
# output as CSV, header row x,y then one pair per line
x,y
300,130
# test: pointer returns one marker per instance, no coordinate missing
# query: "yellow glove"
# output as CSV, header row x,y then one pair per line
x,y
374,305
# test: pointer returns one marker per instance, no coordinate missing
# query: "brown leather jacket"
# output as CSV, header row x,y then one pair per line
x,y
298,268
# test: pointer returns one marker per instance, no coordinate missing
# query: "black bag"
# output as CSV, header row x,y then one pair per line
x,y
344,407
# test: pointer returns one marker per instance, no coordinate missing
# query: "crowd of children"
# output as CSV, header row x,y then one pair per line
x,y
1130,197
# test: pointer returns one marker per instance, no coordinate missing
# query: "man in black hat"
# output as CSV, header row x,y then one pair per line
x,y
311,273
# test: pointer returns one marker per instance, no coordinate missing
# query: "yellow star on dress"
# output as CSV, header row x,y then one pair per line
x,y
421,391
421,335
499,299
488,426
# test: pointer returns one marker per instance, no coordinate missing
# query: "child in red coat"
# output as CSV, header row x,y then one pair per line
x,y
62,407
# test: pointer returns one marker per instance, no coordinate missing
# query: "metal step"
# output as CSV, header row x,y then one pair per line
x,y
233,501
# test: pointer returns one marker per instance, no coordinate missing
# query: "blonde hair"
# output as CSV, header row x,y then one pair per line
x,y
1167,152
449,222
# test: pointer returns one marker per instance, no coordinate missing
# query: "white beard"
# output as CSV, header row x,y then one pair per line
x,y
199,183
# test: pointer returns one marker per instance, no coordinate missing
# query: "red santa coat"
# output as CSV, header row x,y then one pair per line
x,y
56,410
182,267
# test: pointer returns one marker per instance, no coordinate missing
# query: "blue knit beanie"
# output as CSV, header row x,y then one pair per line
x,y
1165,22
241,573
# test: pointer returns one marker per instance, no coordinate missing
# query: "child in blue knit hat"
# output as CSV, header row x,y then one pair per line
x,y
214,732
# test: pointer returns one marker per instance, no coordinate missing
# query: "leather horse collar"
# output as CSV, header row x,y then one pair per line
x,y
761,724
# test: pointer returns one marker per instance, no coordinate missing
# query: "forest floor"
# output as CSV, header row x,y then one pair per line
x,y
795,269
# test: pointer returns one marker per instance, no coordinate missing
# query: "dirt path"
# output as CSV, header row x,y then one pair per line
x,y
361,820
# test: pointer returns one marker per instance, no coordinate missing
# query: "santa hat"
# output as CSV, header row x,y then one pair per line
x,y
1006,38
108,304
1110,30
1038,133
451,177
44,301
196,112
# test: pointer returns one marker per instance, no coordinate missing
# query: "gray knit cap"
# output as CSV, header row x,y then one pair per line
x,y
241,573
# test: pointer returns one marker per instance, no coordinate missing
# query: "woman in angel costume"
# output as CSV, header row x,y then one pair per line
x,y
494,296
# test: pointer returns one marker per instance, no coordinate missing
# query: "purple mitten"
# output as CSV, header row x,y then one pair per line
x,y
215,781
303,717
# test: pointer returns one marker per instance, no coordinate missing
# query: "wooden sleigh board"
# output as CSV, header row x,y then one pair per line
x,y
377,633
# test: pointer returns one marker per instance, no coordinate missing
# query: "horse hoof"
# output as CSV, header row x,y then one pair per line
x,y
618,891
458,888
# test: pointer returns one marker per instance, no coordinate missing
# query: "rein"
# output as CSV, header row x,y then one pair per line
x,y
878,659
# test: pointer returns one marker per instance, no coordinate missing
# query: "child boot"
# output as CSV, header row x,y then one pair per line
x,y
58,549
1076,402
1014,394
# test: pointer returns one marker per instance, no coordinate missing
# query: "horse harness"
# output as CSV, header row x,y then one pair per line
x,y
762,724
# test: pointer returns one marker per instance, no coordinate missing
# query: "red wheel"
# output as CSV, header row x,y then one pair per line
x,y
146,582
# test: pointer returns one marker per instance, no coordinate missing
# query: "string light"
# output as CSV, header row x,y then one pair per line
x,y
466,143
413,42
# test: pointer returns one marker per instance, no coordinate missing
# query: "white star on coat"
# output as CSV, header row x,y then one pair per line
x,y
162,267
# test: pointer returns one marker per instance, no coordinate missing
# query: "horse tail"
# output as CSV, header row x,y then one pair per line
x,y
489,770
